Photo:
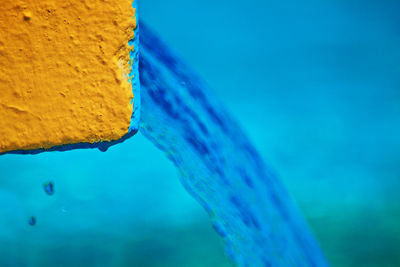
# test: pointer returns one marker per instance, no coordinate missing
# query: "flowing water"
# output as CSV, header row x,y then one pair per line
x,y
219,166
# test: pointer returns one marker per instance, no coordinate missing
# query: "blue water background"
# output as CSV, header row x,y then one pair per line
x,y
317,86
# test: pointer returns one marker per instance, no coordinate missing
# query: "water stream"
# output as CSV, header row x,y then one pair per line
x,y
220,168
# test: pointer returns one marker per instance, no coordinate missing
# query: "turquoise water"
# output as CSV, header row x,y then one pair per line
x,y
315,85
108,209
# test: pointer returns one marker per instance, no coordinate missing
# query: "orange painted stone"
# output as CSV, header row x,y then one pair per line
x,y
64,72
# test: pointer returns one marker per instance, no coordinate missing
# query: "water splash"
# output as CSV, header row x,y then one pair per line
x,y
220,168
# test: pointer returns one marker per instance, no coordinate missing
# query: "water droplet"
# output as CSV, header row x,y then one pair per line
x,y
49,188
103,148
32,221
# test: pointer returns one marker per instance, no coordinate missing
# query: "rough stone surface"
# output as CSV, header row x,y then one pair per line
x,y
64,69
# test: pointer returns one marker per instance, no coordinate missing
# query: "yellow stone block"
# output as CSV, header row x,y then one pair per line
x,y
64,72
